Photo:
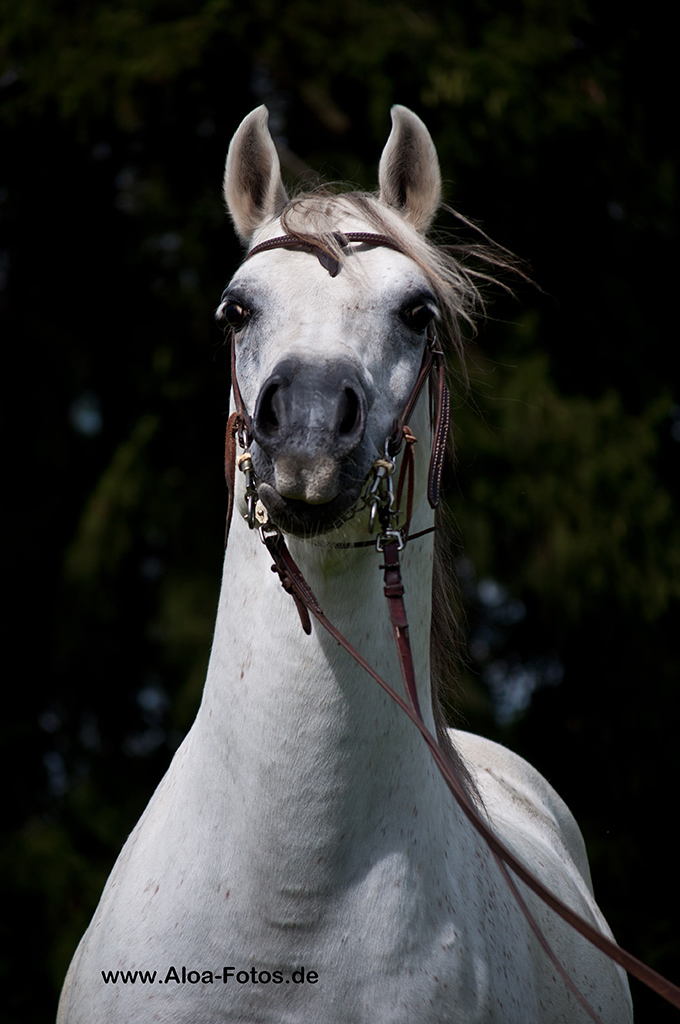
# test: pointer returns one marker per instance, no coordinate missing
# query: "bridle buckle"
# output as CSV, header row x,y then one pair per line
x,y
387,537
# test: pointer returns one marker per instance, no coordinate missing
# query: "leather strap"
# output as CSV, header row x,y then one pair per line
x,y
325,256
394,593
405,418
230,468
662,986
244,418
292,580
442,403
432,368
295,584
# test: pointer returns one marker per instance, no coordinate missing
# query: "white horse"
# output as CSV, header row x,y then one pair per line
x,y
302,860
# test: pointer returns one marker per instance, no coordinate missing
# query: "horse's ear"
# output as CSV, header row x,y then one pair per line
x,y
253,188
409,175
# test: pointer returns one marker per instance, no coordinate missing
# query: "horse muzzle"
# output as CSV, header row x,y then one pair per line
x,y
308,425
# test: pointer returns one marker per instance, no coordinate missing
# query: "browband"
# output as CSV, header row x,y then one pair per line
x,y
325,256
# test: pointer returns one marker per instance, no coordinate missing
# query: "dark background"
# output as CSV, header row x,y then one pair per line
x,y
552,125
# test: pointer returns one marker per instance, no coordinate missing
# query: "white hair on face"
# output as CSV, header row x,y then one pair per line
x,y
318,217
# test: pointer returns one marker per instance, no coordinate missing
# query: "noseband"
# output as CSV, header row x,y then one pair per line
x,y
389,542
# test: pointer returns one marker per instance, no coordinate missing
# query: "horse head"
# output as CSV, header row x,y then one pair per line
x,y
327,350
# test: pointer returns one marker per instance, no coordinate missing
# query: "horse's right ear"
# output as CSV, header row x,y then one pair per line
x,y
253,188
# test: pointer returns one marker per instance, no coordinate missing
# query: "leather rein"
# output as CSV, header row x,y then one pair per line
x,y
383,503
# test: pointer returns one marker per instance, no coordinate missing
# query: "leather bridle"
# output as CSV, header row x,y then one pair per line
x,y
382,502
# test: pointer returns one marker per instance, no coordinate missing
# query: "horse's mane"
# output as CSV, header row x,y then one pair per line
x,y
456,272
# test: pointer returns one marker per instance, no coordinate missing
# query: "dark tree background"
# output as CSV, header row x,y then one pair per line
x,y
552,124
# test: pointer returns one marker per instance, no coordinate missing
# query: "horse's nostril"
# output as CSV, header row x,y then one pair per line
x,y
350,412
267,416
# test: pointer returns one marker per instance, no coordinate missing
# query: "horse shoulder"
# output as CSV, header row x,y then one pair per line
x,y
519,800
535,823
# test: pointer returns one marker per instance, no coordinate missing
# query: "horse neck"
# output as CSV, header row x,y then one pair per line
x,y
295,725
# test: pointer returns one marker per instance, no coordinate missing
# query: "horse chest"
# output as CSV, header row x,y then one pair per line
x,y
399,940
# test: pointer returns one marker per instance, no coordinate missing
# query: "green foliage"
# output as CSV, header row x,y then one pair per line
x,y
91,57
560,495
104,535
516,69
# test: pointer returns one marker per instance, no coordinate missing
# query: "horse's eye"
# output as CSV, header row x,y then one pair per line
x,y
418,317
233,314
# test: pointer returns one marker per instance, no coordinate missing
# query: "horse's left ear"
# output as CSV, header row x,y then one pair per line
x,y
253,187
409,175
